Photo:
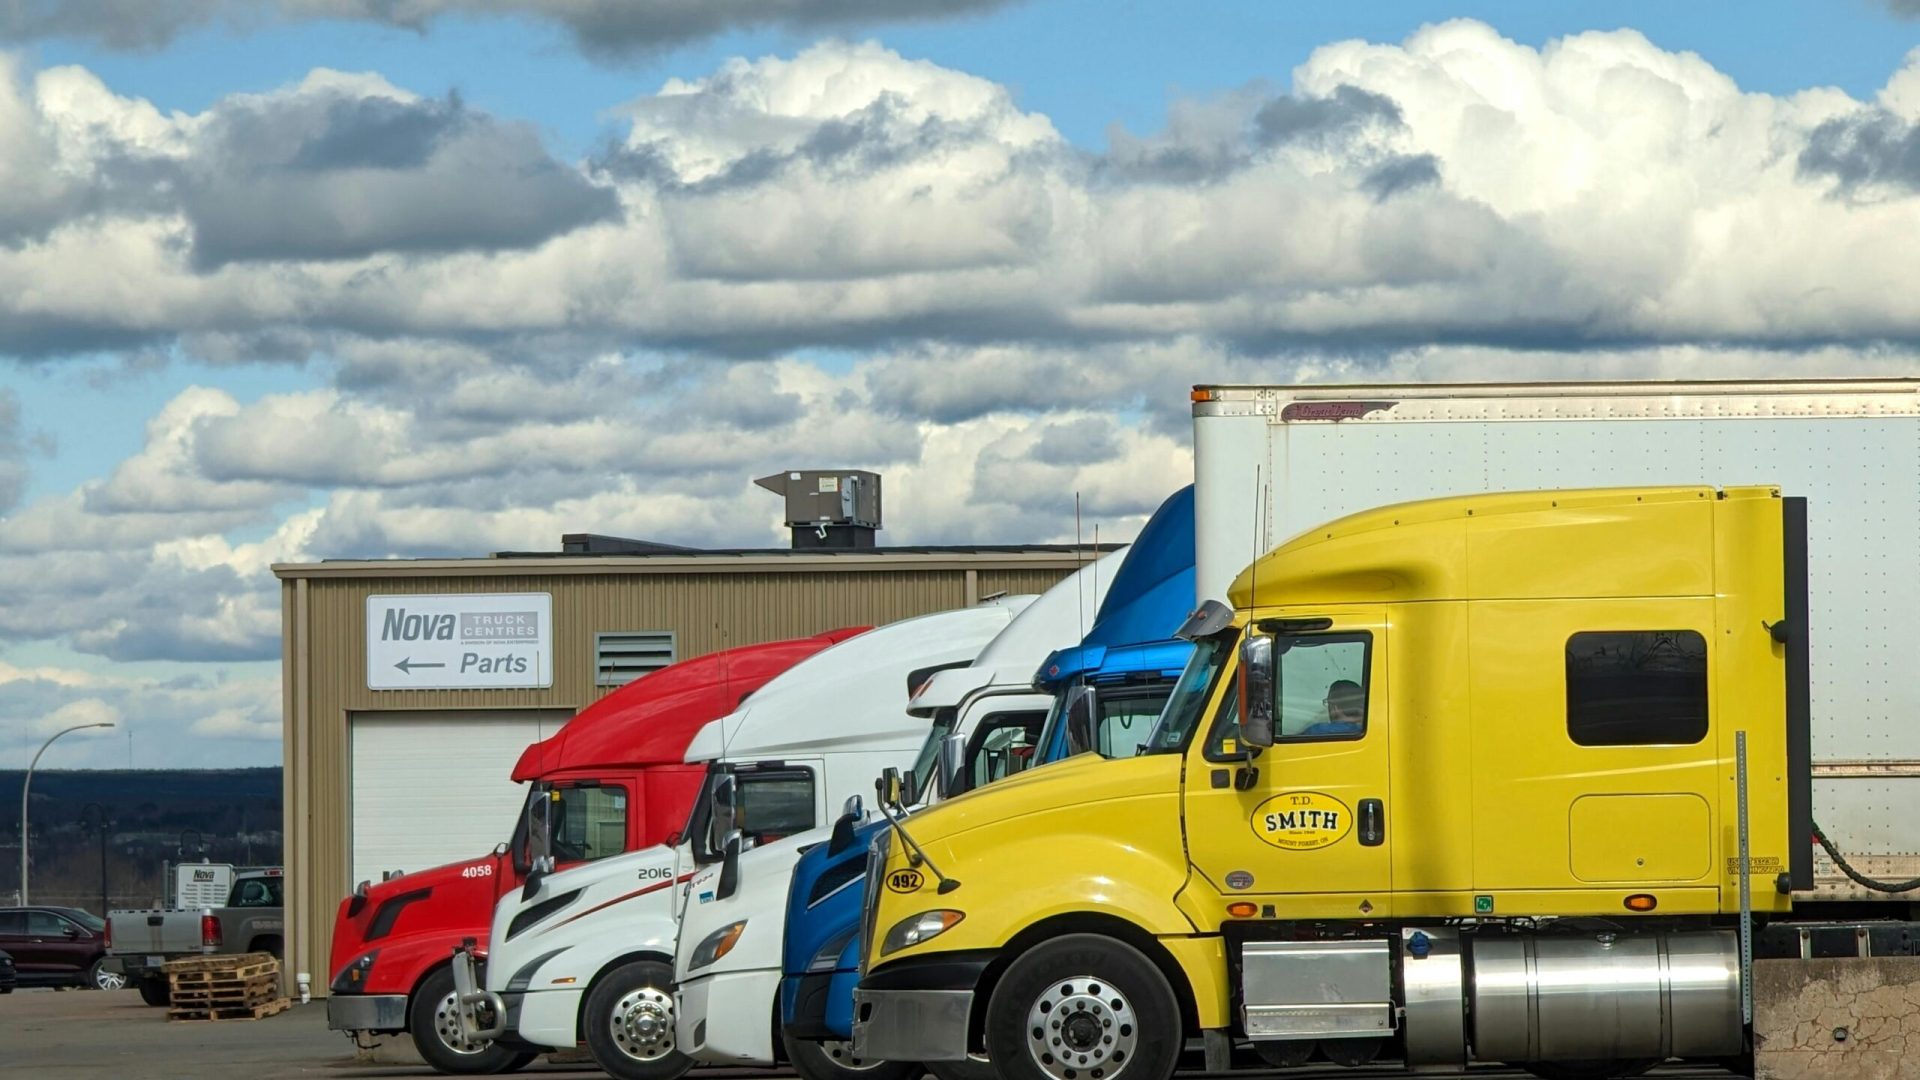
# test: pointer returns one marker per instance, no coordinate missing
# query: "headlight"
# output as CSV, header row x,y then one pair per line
x,y
353,978
718,944
915,929
828,958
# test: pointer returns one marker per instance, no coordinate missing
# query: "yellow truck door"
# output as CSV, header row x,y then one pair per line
x,y
1301,828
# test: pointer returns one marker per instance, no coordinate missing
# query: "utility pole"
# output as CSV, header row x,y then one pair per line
x,y
100,819
26,786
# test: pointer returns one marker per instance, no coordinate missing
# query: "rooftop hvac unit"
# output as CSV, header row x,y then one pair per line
x,y
829,508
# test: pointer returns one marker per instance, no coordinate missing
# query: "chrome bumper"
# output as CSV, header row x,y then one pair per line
x,y
482,1013
367,1012
911,1025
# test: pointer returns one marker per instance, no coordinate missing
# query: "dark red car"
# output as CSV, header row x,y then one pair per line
x,y
58,946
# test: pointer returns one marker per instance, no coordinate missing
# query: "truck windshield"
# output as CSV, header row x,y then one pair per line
x,y
923,765
1188,703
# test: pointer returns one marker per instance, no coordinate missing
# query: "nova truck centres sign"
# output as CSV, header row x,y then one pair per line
x,y
485,641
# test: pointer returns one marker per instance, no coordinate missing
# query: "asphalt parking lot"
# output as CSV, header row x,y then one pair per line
x,y
96,1036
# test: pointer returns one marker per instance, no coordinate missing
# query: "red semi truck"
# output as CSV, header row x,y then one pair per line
x,y
613,779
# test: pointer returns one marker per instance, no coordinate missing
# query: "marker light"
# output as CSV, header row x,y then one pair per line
x,y
1242,909
1642,902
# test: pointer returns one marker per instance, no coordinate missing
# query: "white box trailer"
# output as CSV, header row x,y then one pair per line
x,y
1271,461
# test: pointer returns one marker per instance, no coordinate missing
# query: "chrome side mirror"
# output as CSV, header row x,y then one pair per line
x,y
723,819
950,776
1255,688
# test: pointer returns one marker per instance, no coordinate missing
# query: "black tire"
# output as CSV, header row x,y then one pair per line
x,y
835,1061
1083,992
1589,1070
154,991
976,1067
1284,1054
632,1044
99,978
428,1016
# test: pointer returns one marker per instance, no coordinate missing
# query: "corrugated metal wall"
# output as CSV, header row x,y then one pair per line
x,y
325,679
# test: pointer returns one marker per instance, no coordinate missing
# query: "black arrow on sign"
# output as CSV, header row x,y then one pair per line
x,y
407,665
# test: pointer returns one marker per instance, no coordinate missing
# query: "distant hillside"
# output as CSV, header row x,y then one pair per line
x,y
154,816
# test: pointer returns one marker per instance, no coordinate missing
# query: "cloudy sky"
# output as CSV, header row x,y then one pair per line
x,y
294,279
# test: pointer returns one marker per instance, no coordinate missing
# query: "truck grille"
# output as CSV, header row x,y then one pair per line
x,y
870,909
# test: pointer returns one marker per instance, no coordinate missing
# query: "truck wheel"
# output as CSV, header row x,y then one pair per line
x,y
431,1020
629,1023
1284,1053
154,991
976,1067
100,978
834,1060
1083,1007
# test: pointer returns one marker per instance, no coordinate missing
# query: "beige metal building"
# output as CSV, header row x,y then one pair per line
x,y
379,775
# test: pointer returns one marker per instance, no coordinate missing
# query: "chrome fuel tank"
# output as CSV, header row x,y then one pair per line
x,y
1605,996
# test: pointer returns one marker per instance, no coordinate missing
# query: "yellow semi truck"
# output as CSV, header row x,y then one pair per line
x,y
1504,777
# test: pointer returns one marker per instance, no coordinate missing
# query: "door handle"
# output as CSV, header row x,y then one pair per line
x,y
1373,823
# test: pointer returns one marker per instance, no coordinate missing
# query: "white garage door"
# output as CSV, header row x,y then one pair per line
x,y
431,787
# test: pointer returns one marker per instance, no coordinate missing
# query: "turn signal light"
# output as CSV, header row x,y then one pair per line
x,y
1642,902
209,932
1201,393
1242,909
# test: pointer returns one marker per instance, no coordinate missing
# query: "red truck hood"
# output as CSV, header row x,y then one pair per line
x,y
650,720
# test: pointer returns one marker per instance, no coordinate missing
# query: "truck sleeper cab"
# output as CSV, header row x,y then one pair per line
x,y
1483,806
618,773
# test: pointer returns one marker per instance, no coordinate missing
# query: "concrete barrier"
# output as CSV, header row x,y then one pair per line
x,y
1846,1019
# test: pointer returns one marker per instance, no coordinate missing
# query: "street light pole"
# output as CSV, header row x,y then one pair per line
x,y
26,786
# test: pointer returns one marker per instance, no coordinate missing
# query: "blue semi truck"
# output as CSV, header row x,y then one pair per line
x,y
1107,692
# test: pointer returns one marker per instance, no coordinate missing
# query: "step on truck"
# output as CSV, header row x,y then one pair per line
x,y
1115,677
584,955
728,998
619,775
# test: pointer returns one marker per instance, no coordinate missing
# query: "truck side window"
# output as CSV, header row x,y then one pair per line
x,y
588,822
1126,719
1003,745
1321,686
775,804
1637,688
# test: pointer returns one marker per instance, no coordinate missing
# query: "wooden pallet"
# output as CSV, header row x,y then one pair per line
x,y
245,987
239,992
229,966
231,1012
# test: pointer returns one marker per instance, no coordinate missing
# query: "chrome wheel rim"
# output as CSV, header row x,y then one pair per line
x,y
109,980
446,1023
642,1024
1081,1028
840,1052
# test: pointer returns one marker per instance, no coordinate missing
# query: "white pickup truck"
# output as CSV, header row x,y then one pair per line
x,y
250,921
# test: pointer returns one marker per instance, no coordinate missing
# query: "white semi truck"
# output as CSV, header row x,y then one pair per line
x,y
727,964
585,955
